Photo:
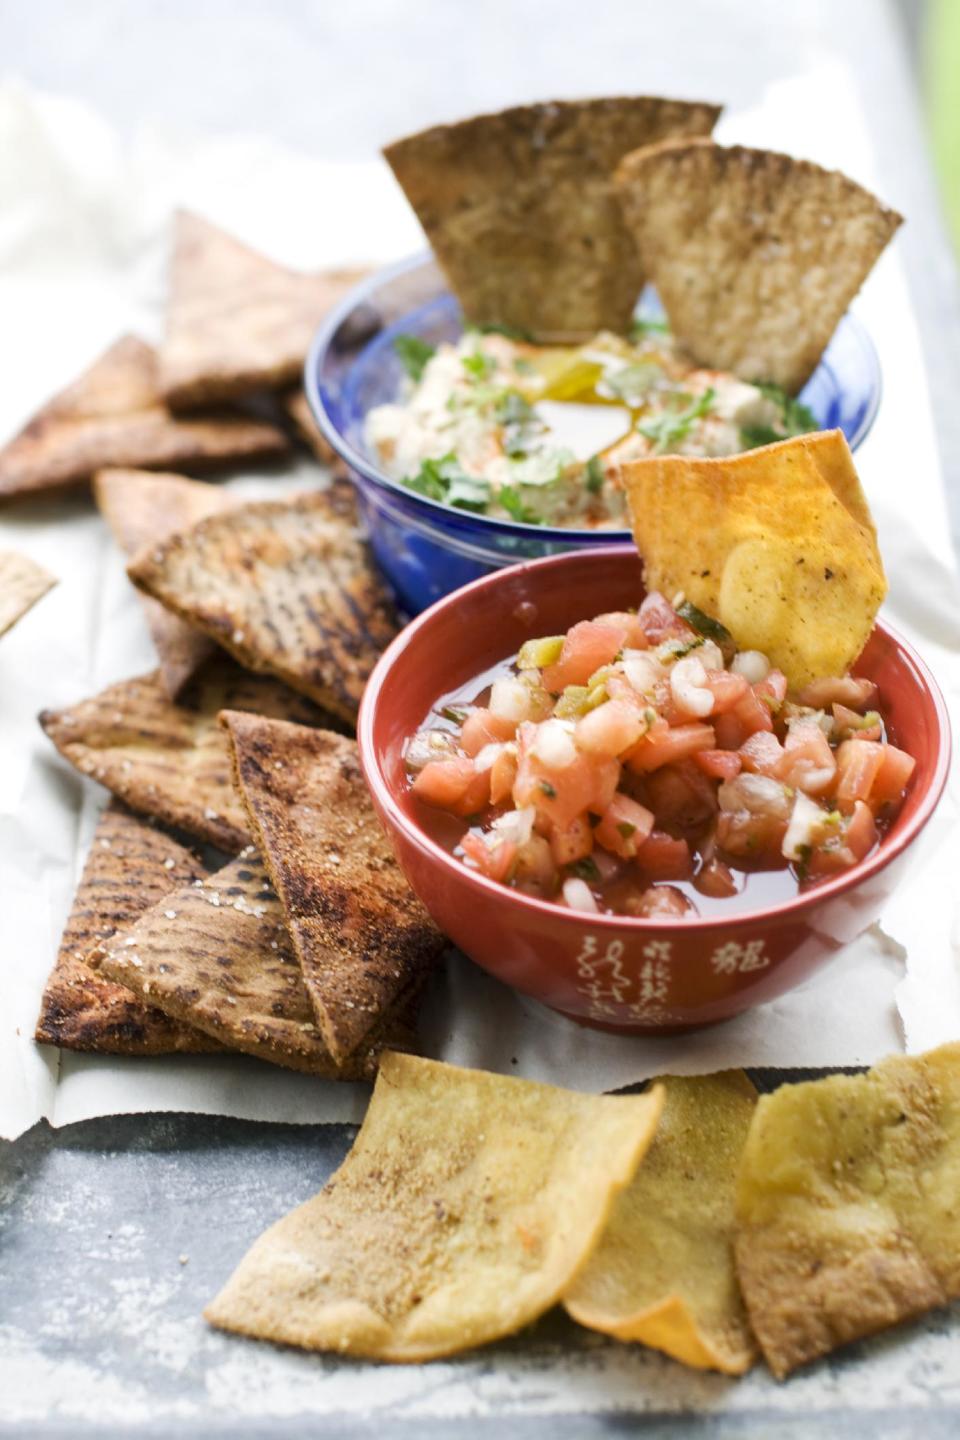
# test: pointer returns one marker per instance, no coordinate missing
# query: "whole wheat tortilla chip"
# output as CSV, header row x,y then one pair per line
x,y
776,543
756,256
847,1205
172,761
360,934
521,211
298,408
663,1272
22,583
114,415
237,321
131,866
141,507
216,956
466,1206
286,586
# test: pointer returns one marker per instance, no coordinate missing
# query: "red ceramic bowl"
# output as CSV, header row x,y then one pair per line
x,y
621,973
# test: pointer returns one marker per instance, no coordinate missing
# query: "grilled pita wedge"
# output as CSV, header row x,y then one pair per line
x,y
360,934
297,407
521,212
22,583
286,586
756,256
114,415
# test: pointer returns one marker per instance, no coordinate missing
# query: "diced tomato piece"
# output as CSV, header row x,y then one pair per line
x,y
624,826
718,764
482,728
503,775
849,725
662,902
681,796
839,690
716,880
666,747
610,729
660,621
858,839
726,688
858,765
761,753
752,713
750,837
630,622
571,842
772,691
808,763
454,785
494,861
731,732
586,648
893,777
661,857
861,830
587,784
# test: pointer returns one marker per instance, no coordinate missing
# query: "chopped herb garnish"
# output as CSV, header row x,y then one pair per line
x,y
644,325
704,624
585,869
626,829
468,492
548,789
674,424
521,423
479,366
447,481
594,475
414,354
510,500
450,712
753,436
632,382
795,419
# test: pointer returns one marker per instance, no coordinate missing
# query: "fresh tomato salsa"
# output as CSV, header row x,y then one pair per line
x,y
640,765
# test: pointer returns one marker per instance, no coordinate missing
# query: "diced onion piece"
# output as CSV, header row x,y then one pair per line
x,y
578,895
510,699
687,686
753,665
515,825
553,745
710,655
805,819
427,745
642,670
484,759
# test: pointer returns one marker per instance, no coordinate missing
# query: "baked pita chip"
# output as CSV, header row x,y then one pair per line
x,y
465,1208
847,1205
236,321
172,761
521,211
113,415
286,586
755,256
777,544
298,408
216,956
22,583
131,866
663,1272
360,934
141,507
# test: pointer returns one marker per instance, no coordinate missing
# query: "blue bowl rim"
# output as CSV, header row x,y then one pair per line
x,y
550,534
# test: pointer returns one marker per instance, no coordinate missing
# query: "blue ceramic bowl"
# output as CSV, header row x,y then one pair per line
x,y
426,549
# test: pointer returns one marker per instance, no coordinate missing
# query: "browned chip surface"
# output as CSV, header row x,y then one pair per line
x,y
756,256
131,866
521,211
285,585
172,760
298,408
113,415
237,321
22,583
360,933
216,956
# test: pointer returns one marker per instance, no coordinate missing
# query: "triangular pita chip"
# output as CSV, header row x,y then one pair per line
x,y
237,321
113,415
663,1272
216,956
141,507
756,256
286,586
131,866
521,211
847,1205
360,934
22,583
298,408
463,1211
777,544
172,761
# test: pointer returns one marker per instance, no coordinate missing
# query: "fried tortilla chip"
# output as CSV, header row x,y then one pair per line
x,y
236,321
776,543
216,956
172,761
756,256
663,1272
847,1205
142,506
360,934
131,866
465,1208
298,408
286,586
113,415
22,583
522,214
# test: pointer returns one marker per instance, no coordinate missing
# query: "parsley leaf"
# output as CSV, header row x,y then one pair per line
x,y
593,475
478,365
513,504
795,419
674,424
414,354
447,481
585,869
521,424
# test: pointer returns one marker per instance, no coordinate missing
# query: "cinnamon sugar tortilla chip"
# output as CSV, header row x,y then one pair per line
x,y
237,321
521,211
131,866
172,760
464,1210
114,415
663,1272
360,934
22,583
756,256
287,586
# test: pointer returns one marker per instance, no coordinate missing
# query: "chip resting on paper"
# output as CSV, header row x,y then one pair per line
x,y
663,1272
360,934
521,212
172,760
848,1205
114,415
466,1206
777,544
131,866
237,321
287,586
755,256
22,583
